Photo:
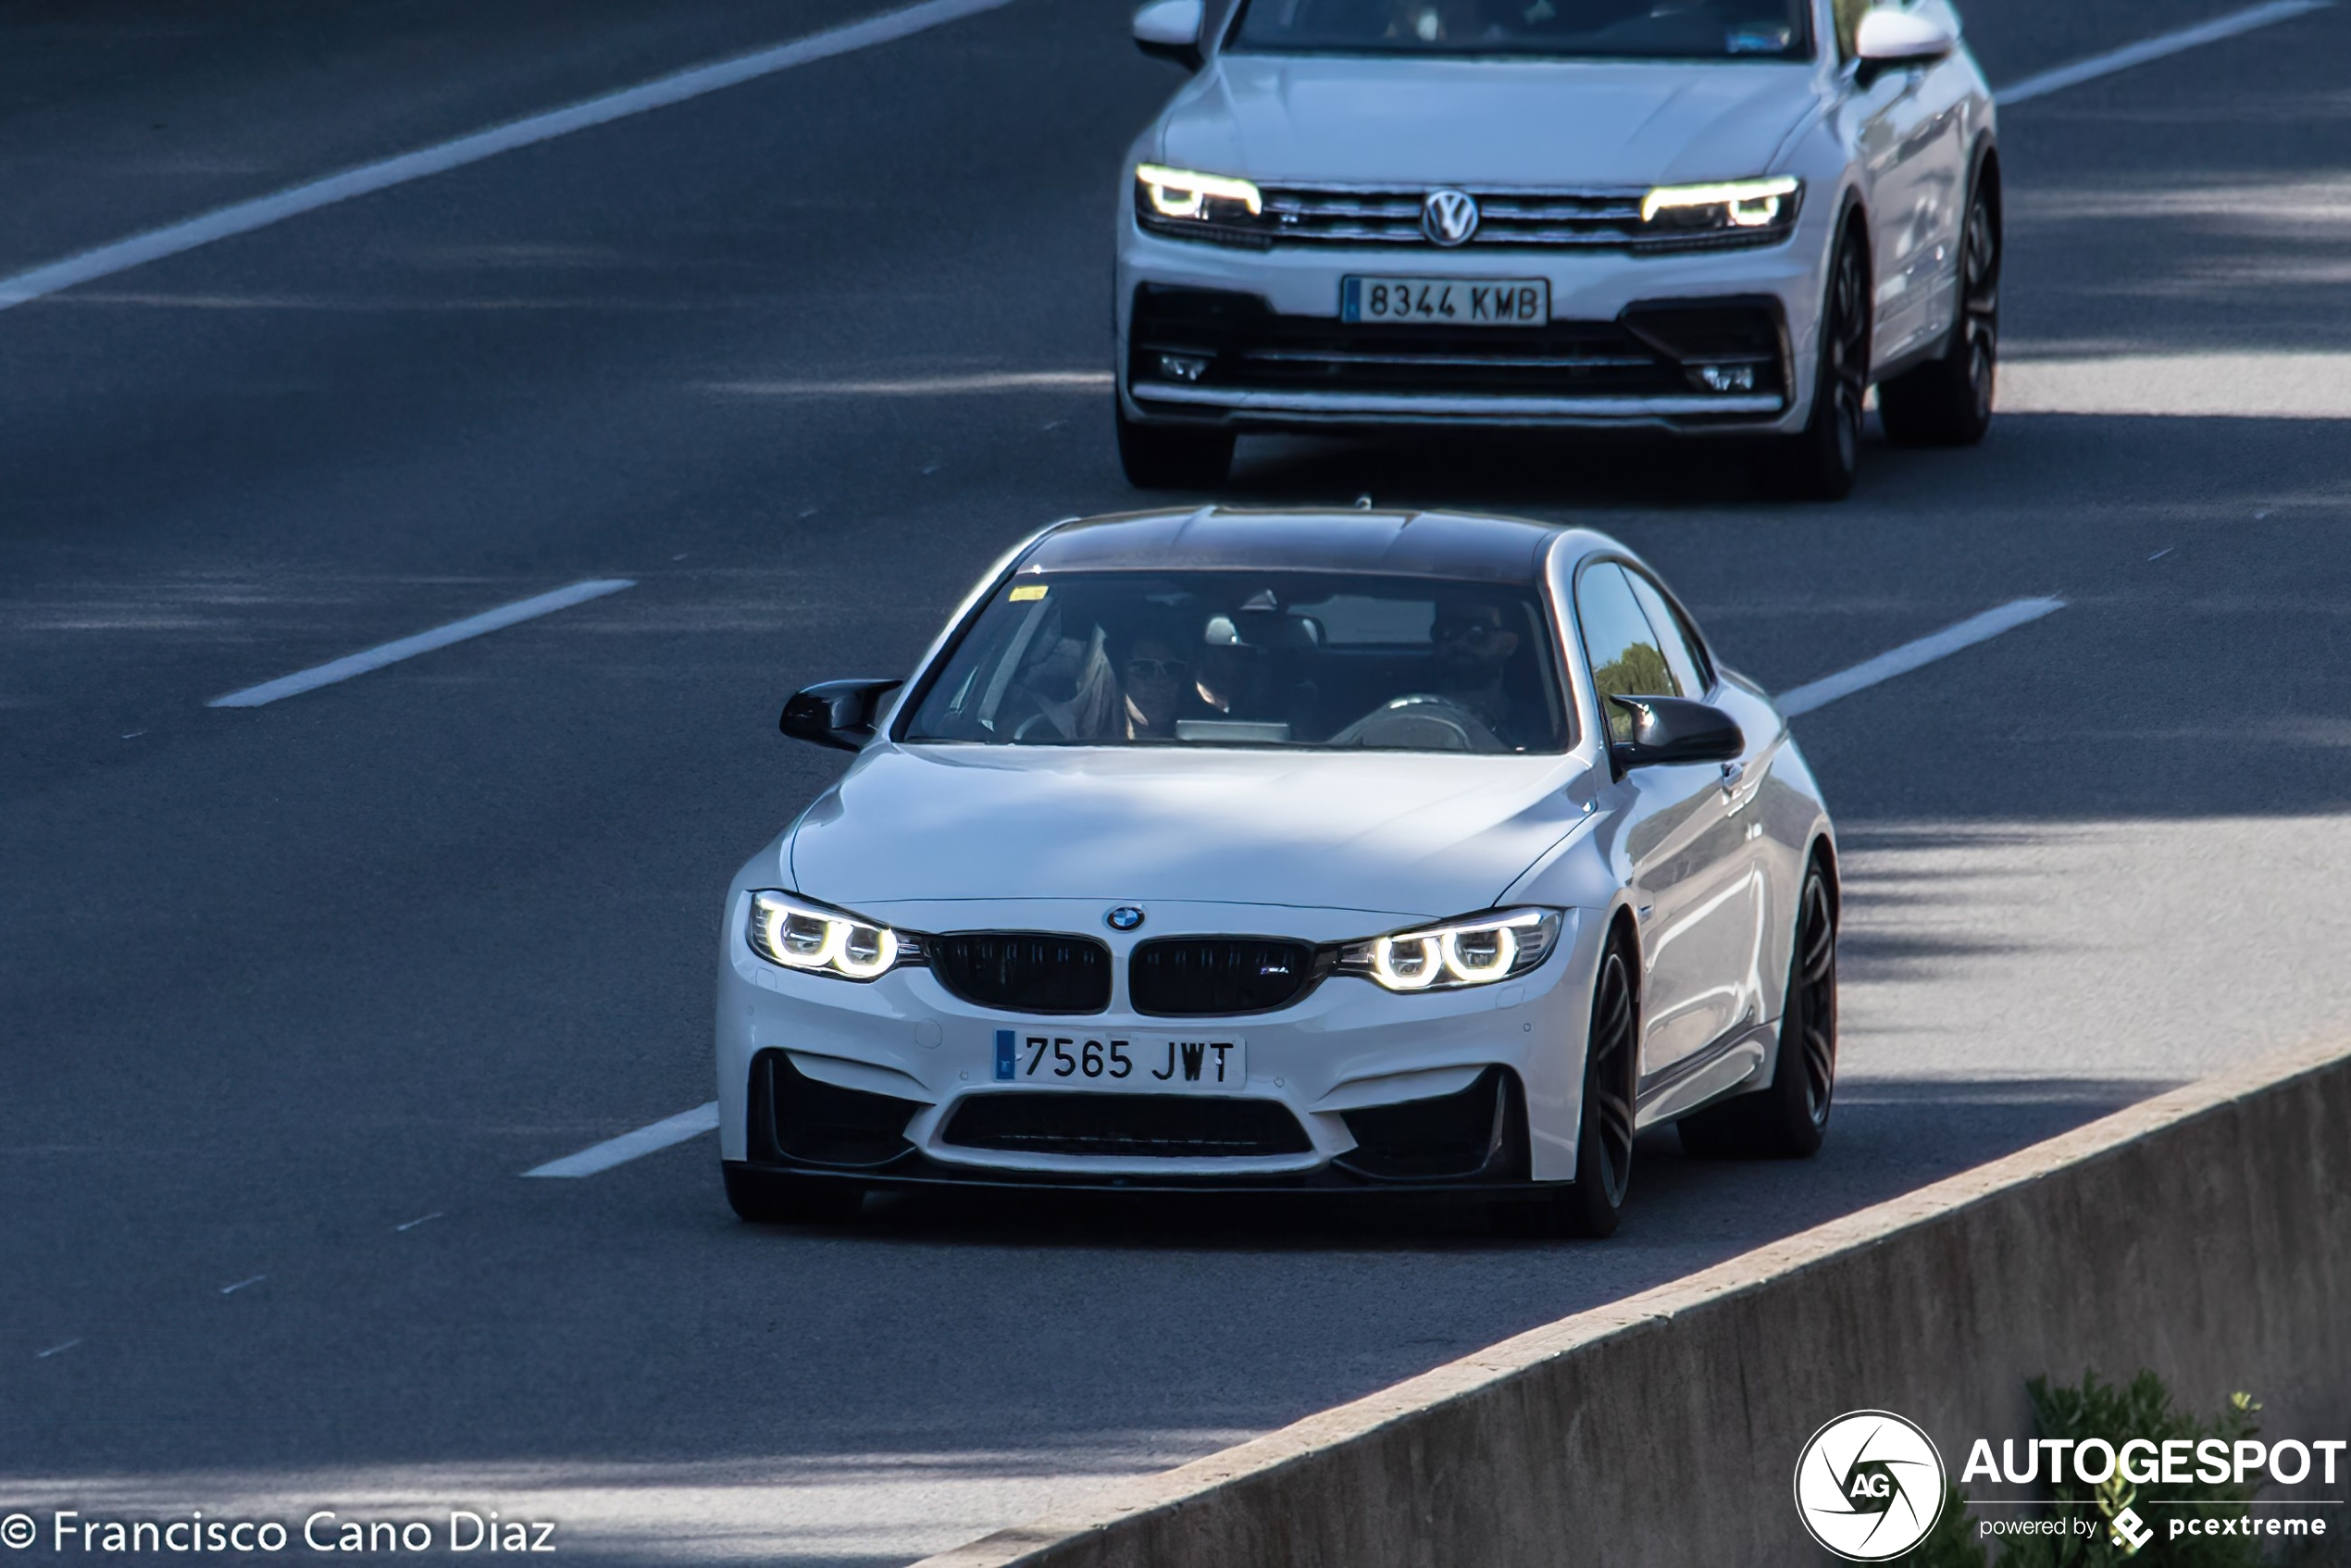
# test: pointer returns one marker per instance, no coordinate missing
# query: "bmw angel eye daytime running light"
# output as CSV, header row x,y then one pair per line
x,y
1475,951
1183,193
799,935
1725,208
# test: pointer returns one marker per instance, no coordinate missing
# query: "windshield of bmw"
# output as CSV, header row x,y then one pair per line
x,y
1294,659
1648,30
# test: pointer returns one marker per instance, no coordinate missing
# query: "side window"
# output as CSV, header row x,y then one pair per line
x,y
1681,654
1626,657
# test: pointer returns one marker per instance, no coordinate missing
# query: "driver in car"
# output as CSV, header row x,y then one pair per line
x,y
1473,644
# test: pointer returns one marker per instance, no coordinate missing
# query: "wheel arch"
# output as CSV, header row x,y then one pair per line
x,y
1822,852
1620,923
1985,160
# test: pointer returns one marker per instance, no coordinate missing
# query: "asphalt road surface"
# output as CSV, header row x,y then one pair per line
x,y
292,995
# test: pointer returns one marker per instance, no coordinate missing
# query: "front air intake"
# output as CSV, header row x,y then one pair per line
x,y
1156,1127
1043,972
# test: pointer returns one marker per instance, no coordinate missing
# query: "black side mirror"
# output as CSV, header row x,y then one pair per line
x,y
837,713
1674,729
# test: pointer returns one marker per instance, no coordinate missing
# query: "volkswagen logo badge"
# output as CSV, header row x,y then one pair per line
x,y
1448,218
1125,917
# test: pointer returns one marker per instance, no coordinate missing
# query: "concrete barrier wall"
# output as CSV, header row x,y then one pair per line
x,y
2206,1234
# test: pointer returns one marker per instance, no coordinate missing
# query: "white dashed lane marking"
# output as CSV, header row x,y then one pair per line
x,y
1911,655
423,643
2156,48
629,1145
263,211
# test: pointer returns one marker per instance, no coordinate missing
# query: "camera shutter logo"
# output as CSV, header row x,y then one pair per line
x,y
1868,1485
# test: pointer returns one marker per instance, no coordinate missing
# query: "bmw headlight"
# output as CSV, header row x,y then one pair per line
x,y
1753,211
1179,201
799,935
1475,951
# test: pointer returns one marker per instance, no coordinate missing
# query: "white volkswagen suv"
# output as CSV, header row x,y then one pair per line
x,y
1712,217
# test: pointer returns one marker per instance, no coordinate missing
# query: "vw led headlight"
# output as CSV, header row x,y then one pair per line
x,y
1754,210
801,935
1172,201
1473,951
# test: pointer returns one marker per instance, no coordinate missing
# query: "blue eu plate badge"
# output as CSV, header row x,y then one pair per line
x,y
1007,1057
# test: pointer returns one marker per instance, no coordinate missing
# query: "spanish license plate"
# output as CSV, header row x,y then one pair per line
x,y
1154,1063
1447,301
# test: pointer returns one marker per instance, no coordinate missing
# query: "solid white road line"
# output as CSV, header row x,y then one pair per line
x,y
1911,655
2154,48
423,643
629,1145
259,213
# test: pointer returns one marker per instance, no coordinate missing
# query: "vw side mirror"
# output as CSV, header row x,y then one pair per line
x,y
1890,38
1667,730
837,713
1169,30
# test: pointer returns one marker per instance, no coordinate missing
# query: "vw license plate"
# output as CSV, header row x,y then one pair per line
x,y
1154,1063
1447,301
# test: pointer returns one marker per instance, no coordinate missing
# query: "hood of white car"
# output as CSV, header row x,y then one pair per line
x,y
1404,834
1358,121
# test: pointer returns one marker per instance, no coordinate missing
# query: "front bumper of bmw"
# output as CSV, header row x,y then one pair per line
x,y
900,1081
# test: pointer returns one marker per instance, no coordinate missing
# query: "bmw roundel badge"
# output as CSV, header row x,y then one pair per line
x,y
1125,917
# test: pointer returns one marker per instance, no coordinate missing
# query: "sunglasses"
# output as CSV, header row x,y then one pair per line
x,y
1158,669
1463,631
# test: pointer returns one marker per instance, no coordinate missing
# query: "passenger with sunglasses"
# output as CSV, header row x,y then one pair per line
x,y
1156,672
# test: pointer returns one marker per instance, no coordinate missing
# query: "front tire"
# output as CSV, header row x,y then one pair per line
x,y
1947,401
1819,462
1788,1120
1593,1204
780,1198
1173,457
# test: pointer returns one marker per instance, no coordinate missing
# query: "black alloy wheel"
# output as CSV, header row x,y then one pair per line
x,y
781,1198
1788,1118
1947,401
1593,1204
1173,457
1819,463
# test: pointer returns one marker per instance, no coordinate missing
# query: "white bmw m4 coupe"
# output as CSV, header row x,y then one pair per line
x,y
1251,851
1711,217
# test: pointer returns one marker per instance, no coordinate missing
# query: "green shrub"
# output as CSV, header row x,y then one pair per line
x,y
2116,1413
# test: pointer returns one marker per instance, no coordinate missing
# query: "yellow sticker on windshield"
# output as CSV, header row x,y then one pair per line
x,y
1027,592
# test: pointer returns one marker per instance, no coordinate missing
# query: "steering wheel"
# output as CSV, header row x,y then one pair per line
x,y
1024,733
1421,721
